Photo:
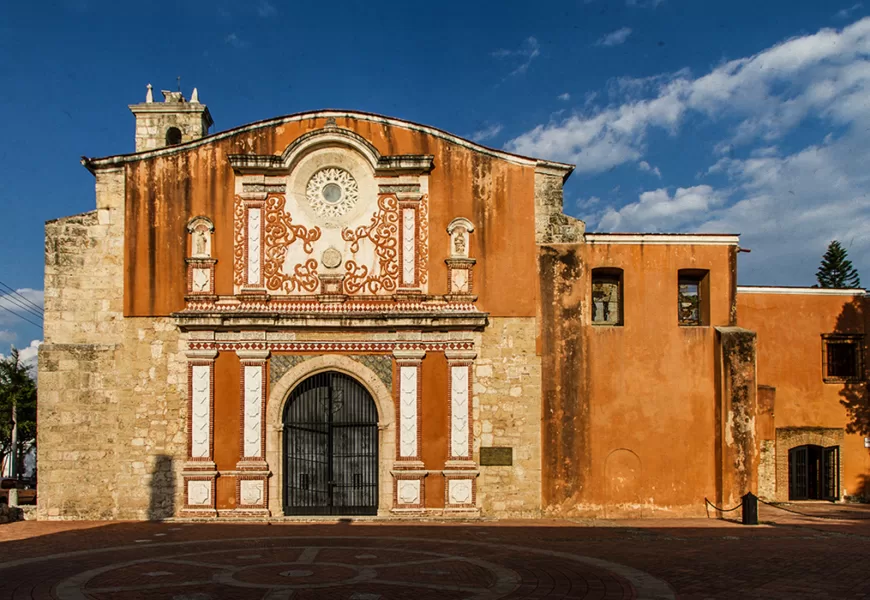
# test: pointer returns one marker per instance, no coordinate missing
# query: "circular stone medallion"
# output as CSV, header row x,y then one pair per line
x,y
332,192
331,258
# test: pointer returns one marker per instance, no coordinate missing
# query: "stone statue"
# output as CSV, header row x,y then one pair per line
x,y
459,242
201,244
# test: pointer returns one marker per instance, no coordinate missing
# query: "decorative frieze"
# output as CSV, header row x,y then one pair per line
x,y
254,252
253,407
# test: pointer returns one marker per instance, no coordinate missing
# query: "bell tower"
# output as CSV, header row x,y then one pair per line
x,y
173,121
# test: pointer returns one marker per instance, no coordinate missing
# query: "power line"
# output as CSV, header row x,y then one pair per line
x,y
20,316
22,306
15,293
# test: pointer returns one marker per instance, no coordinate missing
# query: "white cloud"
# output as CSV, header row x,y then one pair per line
x,y
658,210
28,356
7,336
235,41
564,97
524,55
614,38
266,9
645,166
21,303
824,75
486,133
847,12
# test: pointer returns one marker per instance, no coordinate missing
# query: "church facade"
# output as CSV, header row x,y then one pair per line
x,y
336,314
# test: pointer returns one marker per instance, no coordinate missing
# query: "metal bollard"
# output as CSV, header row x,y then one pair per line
x,y
750,509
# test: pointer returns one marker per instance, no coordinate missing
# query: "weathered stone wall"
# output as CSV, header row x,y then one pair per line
x,y
507,412
791,437
151,128
111,390
552,226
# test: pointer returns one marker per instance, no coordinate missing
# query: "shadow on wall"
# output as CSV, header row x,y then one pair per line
x,y
162,504
855,397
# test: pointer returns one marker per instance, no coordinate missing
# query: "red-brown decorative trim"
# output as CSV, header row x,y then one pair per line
x,y
279,233
331,346
423,233
200,362
415,362
383,232
414,205
200,263
468,363
409,476
296,305
456,475
252,362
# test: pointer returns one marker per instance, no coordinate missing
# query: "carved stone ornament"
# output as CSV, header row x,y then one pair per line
x,y
458,230
332,192
459,491
201,230
251,492
199,493
331,258
409,491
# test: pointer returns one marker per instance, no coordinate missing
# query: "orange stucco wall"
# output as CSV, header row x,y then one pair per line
x,y
789,329
164,193
635,405
227,424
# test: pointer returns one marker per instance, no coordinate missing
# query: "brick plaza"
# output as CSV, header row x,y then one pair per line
x,y
788,556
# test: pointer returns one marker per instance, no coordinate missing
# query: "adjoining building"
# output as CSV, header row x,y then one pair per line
x,y
340,313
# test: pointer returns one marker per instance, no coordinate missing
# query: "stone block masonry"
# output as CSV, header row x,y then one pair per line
x,y
112,391
507,413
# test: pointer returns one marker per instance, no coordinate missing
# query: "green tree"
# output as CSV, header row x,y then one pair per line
x,y
18,389
836,270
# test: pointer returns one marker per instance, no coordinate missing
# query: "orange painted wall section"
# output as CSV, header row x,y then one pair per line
x,y
435,425
789,329
640,398
652,382
227,423
164,193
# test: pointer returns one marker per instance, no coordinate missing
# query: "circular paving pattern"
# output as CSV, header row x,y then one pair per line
x,y
355,568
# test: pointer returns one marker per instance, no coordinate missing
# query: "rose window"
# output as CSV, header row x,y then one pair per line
x,y
332,192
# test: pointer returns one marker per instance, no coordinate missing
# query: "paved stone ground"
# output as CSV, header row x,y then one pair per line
x,y
790,556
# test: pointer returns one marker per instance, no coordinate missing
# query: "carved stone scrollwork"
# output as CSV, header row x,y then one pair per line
x,y
383,232
280,233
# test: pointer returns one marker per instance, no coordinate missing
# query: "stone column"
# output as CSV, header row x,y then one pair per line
x,y
200,472
408,471
460,470
252,488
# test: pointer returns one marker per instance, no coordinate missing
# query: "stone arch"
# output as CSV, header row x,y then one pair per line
x,y
329,137
623,473
173,136
280,393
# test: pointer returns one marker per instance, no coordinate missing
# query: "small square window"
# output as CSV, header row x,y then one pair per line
x,y
607,296
842,358
692,297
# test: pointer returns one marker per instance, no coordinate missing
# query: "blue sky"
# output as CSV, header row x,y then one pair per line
x,y
681,115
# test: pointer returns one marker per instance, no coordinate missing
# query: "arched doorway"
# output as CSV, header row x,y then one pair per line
x,y
330,448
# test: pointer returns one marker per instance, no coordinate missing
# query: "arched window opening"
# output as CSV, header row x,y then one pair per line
x,y
173,136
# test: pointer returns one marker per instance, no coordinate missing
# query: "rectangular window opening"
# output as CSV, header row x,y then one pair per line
x,y
693,297
607,296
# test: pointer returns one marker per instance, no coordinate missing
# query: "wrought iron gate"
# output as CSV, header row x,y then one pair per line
x,y
330,448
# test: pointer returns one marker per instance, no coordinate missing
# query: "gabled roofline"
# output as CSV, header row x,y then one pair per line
x,y
94,164
697,239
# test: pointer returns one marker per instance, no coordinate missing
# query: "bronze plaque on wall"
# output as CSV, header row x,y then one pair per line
x,y
496,456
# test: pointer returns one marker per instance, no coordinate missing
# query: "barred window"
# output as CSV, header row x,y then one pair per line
x,y
607,296
842,358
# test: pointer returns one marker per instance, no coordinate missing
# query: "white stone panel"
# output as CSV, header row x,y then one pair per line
x,y
201,280
408,411
459,491
199,493
409,245
253,409
254,242
251,491
459,426
459,281
409,491
201,411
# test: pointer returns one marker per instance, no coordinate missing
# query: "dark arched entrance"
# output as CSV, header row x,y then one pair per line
x,y
814,473
330,448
